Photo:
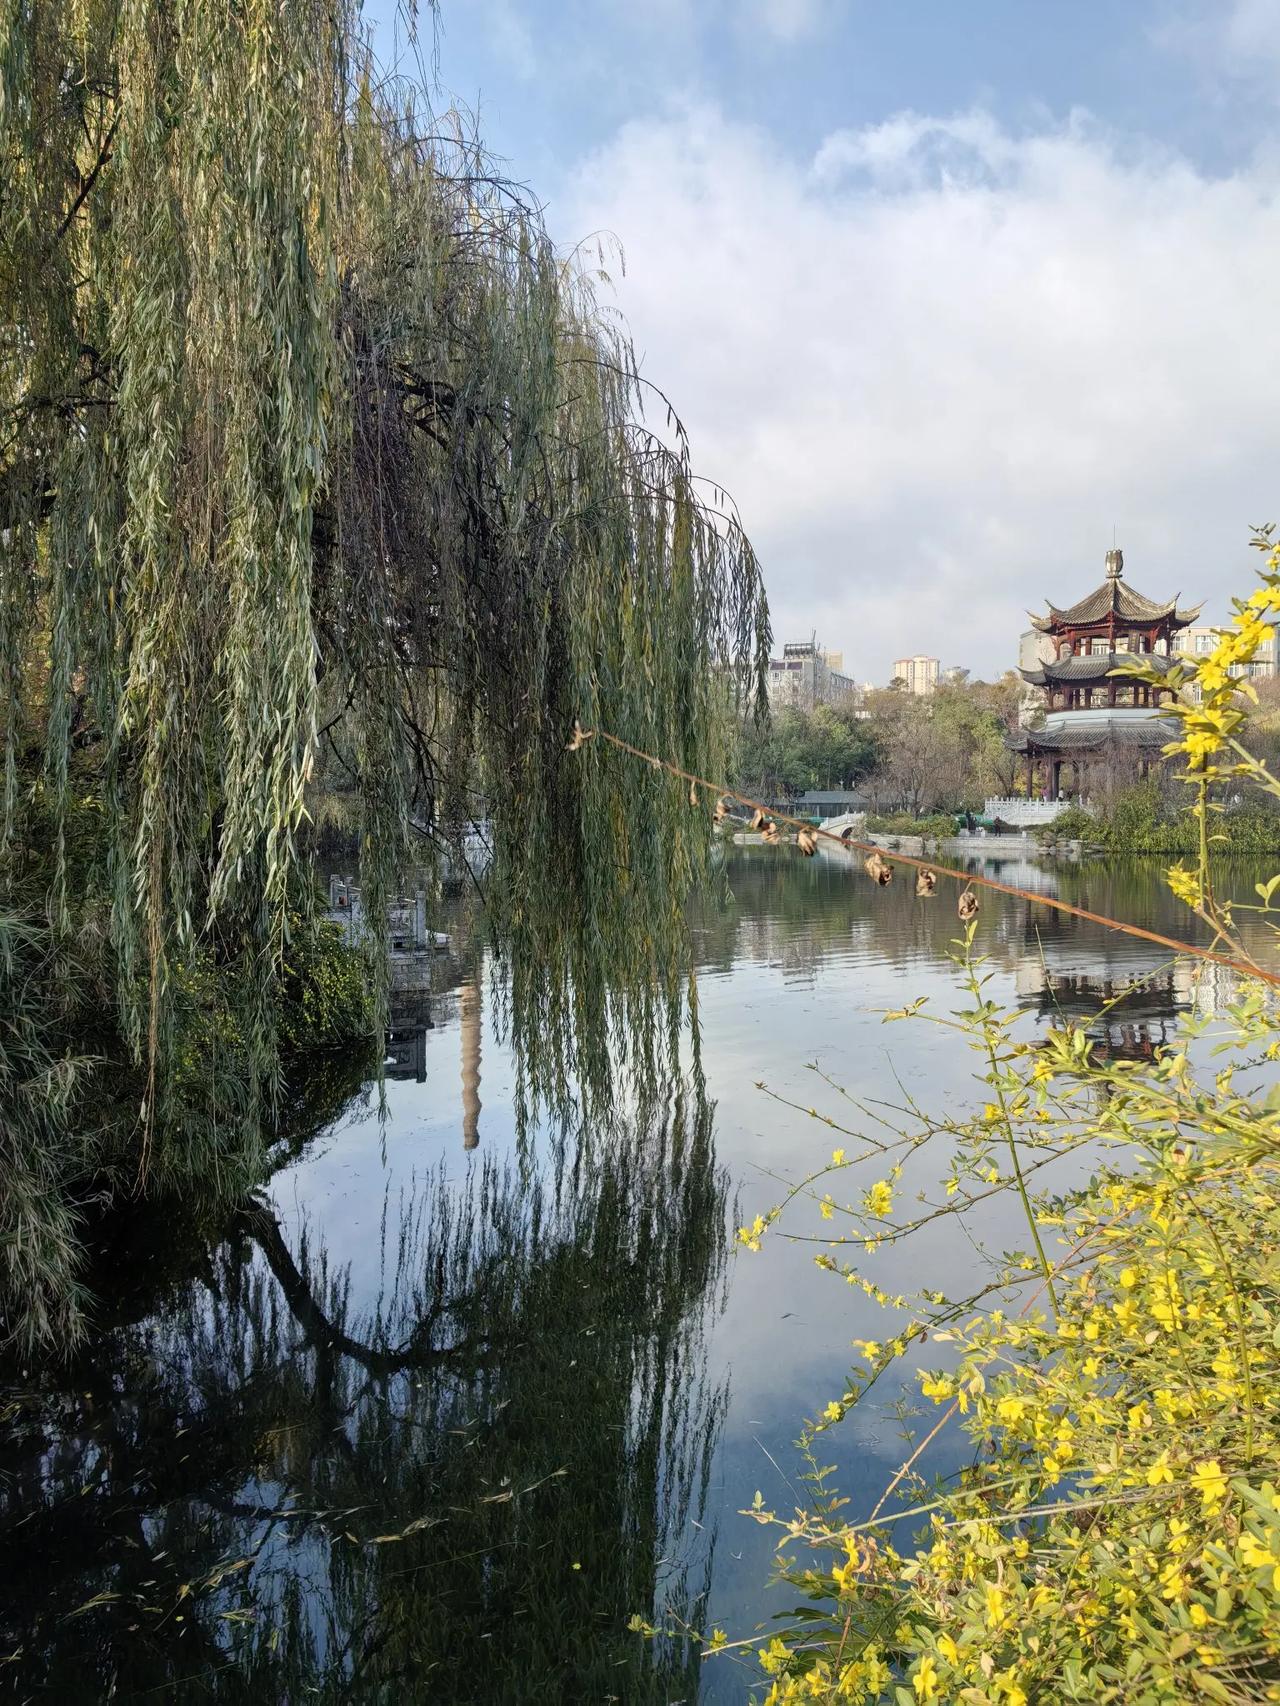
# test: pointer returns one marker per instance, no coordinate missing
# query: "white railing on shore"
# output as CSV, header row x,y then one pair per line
x,y
1023,813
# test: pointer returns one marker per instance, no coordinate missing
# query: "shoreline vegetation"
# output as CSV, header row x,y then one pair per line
x,y
1116,1534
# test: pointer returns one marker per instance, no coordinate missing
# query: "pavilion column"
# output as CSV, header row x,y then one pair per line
x,y
1056,784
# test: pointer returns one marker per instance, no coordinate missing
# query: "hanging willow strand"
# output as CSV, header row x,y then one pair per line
x,y
969,879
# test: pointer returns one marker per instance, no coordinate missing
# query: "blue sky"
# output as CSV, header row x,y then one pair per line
x,y
944,289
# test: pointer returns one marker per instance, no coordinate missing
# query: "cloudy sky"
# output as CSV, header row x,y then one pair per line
x,y
945,290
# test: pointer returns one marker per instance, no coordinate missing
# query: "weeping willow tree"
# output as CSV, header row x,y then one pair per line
x,y
316,455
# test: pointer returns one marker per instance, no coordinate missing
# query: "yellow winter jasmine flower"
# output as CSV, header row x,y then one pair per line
x,y
879,1199
833,1412
1011,1409
925,1680
937,1386
995,1598
1211,1484
837,1157
1159,1471
948,1649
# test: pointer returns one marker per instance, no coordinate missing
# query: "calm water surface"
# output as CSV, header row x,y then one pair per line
x,y
427,1422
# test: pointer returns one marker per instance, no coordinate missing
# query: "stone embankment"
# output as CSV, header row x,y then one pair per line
x,y
994,847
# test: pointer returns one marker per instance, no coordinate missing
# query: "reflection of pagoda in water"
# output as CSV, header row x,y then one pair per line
x,y
1126,1019
1126,996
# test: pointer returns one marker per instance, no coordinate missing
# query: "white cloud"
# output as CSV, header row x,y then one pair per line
x,y
937,362
1235,38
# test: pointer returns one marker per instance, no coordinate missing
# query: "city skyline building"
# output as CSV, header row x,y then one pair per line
x,y
918,674
808,675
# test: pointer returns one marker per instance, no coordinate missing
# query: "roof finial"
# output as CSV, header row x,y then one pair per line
x,y
1115,565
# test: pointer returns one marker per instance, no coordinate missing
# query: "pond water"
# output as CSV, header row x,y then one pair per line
x,y
433,1415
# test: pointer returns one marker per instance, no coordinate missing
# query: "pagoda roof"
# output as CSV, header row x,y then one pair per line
x,y
1074,671
1151,733
1115,597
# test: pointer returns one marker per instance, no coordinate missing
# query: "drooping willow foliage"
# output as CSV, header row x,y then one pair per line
x,y
316,458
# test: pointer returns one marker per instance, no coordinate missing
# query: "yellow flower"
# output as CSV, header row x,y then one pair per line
x,y
1129,1278
925,1680
879,1199
1011,1409
948,1649
833,1411
1211,1484
837,1157
1159,1470
939,1387
995,1606
718,1639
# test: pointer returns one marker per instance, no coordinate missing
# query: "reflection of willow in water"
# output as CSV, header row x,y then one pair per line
x,y
459,1494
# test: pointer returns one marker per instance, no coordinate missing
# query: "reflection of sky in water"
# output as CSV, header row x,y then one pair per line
x,y
795,969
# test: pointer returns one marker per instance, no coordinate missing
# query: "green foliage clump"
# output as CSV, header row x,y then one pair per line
x,y
830,747
1139,820
328,996
48,1144
936,825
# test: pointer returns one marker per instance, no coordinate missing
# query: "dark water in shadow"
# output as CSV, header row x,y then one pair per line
x,y
431,1417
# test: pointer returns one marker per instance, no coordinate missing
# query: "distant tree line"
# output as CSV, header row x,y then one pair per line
x,y
945,752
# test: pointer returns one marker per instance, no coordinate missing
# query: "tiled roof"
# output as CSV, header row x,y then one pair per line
x,y
1115,595
1151,734
1075,670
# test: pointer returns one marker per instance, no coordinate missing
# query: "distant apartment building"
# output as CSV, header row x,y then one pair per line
x,y
1199,641
807,675
917,674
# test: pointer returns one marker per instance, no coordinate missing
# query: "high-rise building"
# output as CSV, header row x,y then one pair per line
x,y
806,675
917,674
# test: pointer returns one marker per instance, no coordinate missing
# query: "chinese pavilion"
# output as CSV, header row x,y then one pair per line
x,y
1093,719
